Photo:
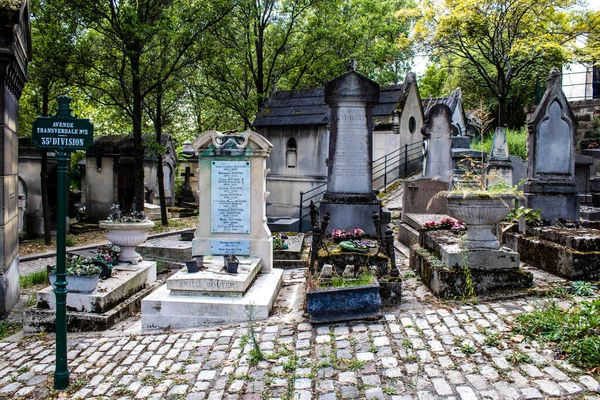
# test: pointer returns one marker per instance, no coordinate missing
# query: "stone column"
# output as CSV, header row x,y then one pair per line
x,y
499,168
15,44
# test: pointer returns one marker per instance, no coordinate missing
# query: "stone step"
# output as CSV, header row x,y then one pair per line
x,y
290,264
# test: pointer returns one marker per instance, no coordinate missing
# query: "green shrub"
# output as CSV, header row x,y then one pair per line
x,y
33,279
516,139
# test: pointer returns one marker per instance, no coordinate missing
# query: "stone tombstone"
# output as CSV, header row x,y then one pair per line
x,y
417,193
437,145
350,199
550,182
15,53
232,194
499,168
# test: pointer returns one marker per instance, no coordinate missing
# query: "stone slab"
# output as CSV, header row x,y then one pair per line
x,y
166,250
407,235
350,216
295,242
447,282
417,193
555,258
417,221
125,282
162,309
39,320
590,213
213,279
446,246
9,287
580,239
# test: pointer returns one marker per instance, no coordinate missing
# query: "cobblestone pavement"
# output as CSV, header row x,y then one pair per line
x,y
421,349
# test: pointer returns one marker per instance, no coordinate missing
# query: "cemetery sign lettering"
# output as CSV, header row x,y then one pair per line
x,y
62,131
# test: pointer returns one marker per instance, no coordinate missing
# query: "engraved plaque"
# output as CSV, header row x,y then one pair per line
x,y
230,196
223,247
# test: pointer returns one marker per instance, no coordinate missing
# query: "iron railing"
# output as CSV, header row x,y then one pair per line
x,y
315,194
397,164
586,85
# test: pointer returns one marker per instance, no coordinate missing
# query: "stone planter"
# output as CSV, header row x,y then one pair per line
x,y
343,304
480,213
127,235
78,284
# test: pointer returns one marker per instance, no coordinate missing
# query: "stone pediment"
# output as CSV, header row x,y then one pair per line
x,y
247,141
352,86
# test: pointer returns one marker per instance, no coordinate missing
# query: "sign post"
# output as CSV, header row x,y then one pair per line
x,y
62,133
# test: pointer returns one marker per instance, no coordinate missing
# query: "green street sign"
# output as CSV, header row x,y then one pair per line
x,y
63,131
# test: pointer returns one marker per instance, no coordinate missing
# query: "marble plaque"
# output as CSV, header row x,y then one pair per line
x,y
223,247
230,197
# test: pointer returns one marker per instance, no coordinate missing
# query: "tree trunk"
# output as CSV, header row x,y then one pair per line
x,y
138,148
501,111
160,176
44,174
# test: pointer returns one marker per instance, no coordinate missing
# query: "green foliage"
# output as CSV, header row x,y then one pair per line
x,y
492,338
515,138
583,288
533,217
8,328
431,84
69,241
576,330
364,279
35,278
81,266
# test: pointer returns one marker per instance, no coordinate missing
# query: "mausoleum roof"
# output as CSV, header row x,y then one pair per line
x,y
452,101
307,107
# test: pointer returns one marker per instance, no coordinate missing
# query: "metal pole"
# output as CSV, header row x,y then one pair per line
x,y
300,213
385,174
61,373
405,160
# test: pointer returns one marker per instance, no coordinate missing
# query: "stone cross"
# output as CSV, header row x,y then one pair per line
x,y
187,175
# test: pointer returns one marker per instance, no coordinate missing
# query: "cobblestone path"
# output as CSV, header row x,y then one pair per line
x,y
421,349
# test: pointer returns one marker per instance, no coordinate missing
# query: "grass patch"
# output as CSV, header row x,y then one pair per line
x,y
576,331
8,328
364,279
516,140
33,279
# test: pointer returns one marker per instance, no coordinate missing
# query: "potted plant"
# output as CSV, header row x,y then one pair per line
x,y
342,299
83,274
193,264
478,205
127,231
232,263
108,255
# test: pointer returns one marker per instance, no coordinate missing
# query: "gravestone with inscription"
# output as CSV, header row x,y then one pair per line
x,y
499,168
550,182
350,199
231,221
437,134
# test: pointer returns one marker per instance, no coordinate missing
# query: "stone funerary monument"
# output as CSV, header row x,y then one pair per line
x,y
232,221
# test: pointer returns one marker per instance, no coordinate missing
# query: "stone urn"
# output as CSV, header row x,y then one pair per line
x,y
480,212
127,235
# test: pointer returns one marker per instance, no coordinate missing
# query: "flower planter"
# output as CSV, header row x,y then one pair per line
x,y
194,263
232,263
127,235
343,304
78,284
480,213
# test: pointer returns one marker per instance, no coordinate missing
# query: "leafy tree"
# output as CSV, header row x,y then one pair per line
x,y
127,48
495,42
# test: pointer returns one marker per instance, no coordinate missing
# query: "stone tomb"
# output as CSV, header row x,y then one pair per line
x,y
112,301
550,182
499,168
439,260
568,252
231,220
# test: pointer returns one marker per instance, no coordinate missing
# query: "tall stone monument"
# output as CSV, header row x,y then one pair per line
x,y
550,182
232,221
499,168
437,145
15,51
350,198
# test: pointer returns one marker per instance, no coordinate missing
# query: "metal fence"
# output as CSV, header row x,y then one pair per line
x,y
577,85
397,164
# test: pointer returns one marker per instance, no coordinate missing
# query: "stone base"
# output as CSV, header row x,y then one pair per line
x,y
162,309
213,279
125,282
590,213
407,235
284,225
555,200
292,257
9,288
447,282
390,290
261,248
166,250
350,213
570,253
39,320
